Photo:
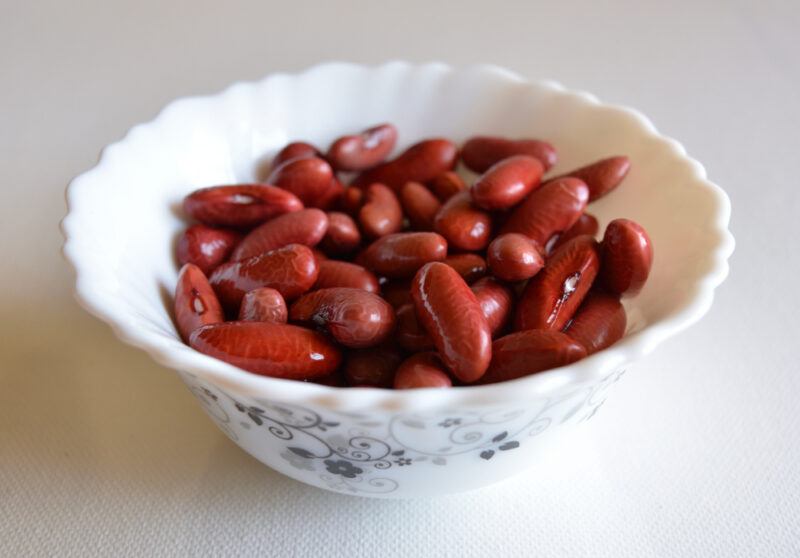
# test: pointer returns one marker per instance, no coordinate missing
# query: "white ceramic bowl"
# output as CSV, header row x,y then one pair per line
x,y
123,220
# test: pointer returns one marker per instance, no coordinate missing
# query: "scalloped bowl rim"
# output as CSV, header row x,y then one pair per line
x,y
171,352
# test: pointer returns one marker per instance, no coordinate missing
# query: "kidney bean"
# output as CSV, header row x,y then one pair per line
x,y
470,267
239,206
372,367
400,255
495,300
422,370
527,352
278,350
206,247
586,224
627,255
507,182
397,292
419,163
195,302
463,225
342,236
332,196
263,305
551,209
514,257
381,213
352,200
364,150
334,379
599,322
451,314
308,178
410,334
446,185
291,270
295,150
307,227
602,176
419,205
353,317
481,152
319,255
552,296
334,273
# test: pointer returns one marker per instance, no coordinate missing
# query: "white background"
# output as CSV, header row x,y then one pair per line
x,y
697,453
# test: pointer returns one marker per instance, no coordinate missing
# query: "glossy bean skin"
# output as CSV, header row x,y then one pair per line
x,y
419,163
240,206
465,226
527,352
599,322
507,182
410,334
365,150
308,178
196,304
496,300
397,292
481,152
263,305
551,298
372,367
277,350
446,185
469,266
353,317
295,150
513,257
291,270
549,210
206,247
586,224
351,201
342,236
335,273
627,255
602,176
381,213
448,310
306,227
422,370
331,198
400,255
419,205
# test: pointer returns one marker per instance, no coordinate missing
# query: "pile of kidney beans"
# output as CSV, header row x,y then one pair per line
x,y
408,277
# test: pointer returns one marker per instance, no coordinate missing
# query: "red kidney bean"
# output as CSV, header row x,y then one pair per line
x,y
470,267
307,227
599,322
263,305
308,178
364,150
514,257
343,236
419,163
451,314
295,150
331,197
400,255
372,367
481,152
206,247
410,334
353,317
397,292
551,209
195,302
446,185
334,273
507,182
627,255
602,176
352,200
319,255
495,300
278,350
239,206
463,225
423,370
551,298
291,270
586,224
527,352
381,213
419,205
334,379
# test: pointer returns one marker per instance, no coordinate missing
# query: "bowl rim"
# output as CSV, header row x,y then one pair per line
x,y
174,354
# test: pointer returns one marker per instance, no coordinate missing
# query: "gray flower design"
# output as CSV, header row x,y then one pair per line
x,y
343,468
297,461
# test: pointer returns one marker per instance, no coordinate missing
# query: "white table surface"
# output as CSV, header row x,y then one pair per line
x,y
697,453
